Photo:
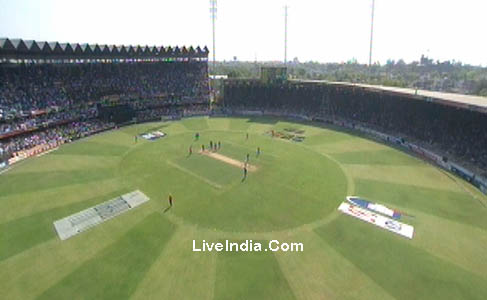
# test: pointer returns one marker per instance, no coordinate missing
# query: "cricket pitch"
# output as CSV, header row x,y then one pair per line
x,y
230,161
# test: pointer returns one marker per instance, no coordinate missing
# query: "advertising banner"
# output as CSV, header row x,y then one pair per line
x,y
153,135
383,222
251,112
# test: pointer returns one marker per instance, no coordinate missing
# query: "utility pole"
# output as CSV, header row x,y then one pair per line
x,y
285,34
371,33
213,81
213,19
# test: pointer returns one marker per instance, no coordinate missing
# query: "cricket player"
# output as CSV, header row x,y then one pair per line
x,y
258,151
170,200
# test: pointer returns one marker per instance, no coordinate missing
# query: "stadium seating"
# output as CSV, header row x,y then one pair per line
x,y
450,131
60,100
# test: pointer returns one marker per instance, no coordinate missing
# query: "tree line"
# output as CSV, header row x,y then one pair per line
x,y
427,74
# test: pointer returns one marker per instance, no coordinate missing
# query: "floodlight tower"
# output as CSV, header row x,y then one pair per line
x,y
213,19
371,33
285,34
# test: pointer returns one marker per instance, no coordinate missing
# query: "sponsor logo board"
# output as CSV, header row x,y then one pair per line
x,y
153,135
389,224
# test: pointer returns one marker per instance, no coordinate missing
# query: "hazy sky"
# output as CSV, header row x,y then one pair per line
x,y
321,30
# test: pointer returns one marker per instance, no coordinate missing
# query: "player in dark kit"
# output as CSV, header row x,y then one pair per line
x,y
170,200
219,145
211,145
248,157
190,150
203,148
245,172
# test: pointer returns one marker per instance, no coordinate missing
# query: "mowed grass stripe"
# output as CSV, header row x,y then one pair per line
x,y
379,157
35,181
122,137
198,176
252,124
89,147
324,136
217,123
29,273
29,203
320,272
404,271
117,270
250,275
179,272
466,243
195,124
22,234
214,170
420,176
239,124
174,127
455,242
454,206
66,162
354,144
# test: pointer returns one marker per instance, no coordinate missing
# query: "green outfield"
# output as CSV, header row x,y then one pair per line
x,y
291,197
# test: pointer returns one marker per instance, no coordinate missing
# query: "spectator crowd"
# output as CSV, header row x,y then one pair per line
x,y
451,131
59,134
40,103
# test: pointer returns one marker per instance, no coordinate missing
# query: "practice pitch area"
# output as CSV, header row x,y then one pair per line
x,y
291,194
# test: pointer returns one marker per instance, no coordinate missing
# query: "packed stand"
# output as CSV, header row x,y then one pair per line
x,y
157,113
54,135
18,125
450,131
37,87
49,102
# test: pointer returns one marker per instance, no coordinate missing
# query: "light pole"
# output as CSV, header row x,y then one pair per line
x,y
285,34
213,19
212,81
371,33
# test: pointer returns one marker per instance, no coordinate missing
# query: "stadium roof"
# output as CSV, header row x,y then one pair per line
x,y
20,49
459,100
